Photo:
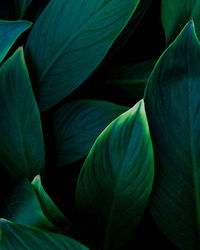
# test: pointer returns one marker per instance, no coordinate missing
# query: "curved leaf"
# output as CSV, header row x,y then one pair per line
x,y
20,7
80,36
21,237
172,104
48,206
116,179
9,32
130,79
130,27
21,139
77,125
23,207
176,13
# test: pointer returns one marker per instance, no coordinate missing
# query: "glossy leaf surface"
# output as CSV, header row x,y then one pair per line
x,y
21,237
116,179
77,125
48,206
9,32
172,104
21,139
62,57
175,15
22,207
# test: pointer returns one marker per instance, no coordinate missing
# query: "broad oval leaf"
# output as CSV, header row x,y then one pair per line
x,y
172,104
20,7
9,32
77,125
22,237
22,206
21,140
52,213
80,36
176,13
116,179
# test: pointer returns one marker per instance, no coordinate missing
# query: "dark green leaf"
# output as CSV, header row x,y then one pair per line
x,y
21,139
9,32
23,207
18,237
117,176
77,125
20,7
130,27
80,36
172,104
48,207
130,79
176,13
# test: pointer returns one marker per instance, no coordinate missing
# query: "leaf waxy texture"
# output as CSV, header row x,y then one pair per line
x,y
176,13
63,56
22,150
77,125
22,206
116,179
172,103
49,208
21,237
9,32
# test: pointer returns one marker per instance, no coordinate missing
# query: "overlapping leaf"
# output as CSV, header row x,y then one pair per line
x,y
21,139
22,206
48,207
20,7
172,104
117,176
20,237
176,13
77,125
9,32
130,79
62,57
130,27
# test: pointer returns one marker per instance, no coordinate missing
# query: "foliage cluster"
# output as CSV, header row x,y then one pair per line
x,y
99,138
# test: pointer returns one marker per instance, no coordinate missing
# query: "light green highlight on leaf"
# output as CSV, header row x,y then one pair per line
x,y
77,125
22,150
9,32
173,109
117,176
80,36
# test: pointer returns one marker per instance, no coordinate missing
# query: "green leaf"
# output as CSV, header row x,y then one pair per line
x,y
130,27
18,237
9,32
20,7
21,139
130,79
23,207
80,36
48,206
77,125
116,179
176,13
172,104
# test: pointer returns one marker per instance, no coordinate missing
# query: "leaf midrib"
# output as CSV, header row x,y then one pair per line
x,y
60,52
